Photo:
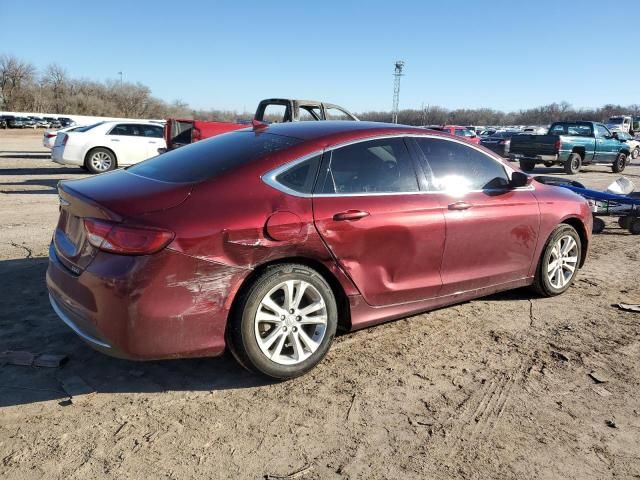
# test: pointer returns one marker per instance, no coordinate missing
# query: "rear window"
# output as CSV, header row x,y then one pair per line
x,y
211,157
576,129
87,128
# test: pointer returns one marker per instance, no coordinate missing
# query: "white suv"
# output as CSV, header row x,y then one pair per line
x,y
108,145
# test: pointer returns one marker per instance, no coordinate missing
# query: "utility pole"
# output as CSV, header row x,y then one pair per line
x,y
397,73
120,73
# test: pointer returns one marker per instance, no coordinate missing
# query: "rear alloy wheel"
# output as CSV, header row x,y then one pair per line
x,y
559,262
527,165
636,153
548,164
619,163
100,160
285,324
573,164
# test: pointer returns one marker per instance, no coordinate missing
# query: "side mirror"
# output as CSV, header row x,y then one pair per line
x,y
615,135
519,179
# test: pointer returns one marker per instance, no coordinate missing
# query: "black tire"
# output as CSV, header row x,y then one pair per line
x,y
625,222
527,165
92,165
241,331
634,226
619,163
542,283
598,225
548,164
573,164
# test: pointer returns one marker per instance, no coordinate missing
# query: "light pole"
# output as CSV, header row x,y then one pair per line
x,y
120,73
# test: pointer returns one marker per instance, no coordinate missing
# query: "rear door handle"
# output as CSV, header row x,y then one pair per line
x,y
350,215
460,206
115,140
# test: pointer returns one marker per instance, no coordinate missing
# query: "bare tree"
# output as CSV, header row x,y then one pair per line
x,y
14,76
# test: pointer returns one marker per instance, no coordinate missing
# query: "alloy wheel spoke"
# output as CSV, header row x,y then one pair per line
x,y
289,288
311,344
298,351
278,350
302,287
314,307
313,320
272,337
271,305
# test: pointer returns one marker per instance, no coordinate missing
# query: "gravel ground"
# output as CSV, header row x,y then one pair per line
x,y
509,386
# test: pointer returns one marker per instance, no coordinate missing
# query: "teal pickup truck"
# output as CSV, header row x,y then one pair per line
x,y
571,144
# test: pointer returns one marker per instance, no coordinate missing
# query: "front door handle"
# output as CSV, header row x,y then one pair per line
x,y
115,140
350,215
460,206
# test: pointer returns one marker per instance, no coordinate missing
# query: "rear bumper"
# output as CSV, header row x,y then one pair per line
x,y
166,305
535,158
66,156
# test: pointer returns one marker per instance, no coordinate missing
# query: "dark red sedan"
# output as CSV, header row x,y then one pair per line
x,y
267,240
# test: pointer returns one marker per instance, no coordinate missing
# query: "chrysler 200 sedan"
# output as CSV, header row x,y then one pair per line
x,y
266,240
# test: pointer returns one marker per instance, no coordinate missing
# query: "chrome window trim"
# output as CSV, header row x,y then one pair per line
x,y
270,177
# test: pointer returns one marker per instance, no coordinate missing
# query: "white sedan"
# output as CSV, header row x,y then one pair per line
x,y
108,145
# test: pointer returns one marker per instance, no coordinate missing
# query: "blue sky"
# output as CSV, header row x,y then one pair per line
x,y
229,55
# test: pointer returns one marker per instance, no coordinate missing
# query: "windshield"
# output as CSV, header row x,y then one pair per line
x,y
616,121
214,156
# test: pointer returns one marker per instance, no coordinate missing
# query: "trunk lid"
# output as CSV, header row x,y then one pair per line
x,y
118,196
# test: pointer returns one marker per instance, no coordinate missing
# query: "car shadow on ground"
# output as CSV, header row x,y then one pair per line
x,y
44,171
27,323
26,155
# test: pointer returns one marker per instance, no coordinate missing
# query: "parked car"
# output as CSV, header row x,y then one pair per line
x,y
17,122
105,146
571,144
499,142
487,132
180,132
66,122
632,142
266,240
53,122
535,130
49,137
29,122
459,131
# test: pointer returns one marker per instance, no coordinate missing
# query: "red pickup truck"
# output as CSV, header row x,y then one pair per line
x,y
179,132
459,131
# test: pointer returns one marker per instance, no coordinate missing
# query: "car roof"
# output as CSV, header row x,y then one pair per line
x,y
339,129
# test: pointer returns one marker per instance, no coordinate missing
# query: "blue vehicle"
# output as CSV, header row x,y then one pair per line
x,y
572,145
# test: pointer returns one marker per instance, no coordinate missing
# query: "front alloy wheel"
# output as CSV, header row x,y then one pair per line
x,y
562,262
559,262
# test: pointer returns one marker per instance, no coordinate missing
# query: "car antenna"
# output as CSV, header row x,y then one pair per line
x,y
258,125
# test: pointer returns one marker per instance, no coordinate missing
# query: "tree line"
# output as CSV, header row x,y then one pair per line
x,y
52,90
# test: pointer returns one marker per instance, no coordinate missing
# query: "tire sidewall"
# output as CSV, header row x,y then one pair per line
x,y
544,282
574,162
243,337
620,163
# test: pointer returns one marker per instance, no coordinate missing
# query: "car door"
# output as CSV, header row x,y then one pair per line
x,y
128,143
384,231
154,135
606,146
491,229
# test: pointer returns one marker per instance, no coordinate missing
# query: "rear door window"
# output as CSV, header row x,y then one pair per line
x,y
154,131
376,166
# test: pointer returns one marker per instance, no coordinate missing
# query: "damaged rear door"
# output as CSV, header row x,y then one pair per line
x,y
385,232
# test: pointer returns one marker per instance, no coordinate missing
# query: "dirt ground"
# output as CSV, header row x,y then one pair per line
x,y
494,388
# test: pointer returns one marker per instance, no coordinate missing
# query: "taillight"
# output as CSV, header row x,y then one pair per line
x,y
125,239
196,134
65,138
51,135
558,145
